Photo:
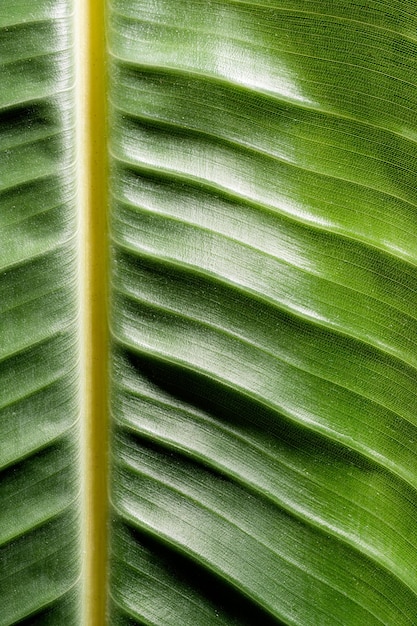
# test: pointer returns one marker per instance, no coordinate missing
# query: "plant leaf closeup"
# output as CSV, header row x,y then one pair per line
x,y
39,376
263,296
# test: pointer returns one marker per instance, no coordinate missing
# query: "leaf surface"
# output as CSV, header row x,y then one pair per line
x,y
39,375
263,293
263,312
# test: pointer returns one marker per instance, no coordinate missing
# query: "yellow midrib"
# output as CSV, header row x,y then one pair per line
x,y
91,82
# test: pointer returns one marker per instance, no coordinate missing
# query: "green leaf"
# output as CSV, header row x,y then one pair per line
x,y
263,312
39,376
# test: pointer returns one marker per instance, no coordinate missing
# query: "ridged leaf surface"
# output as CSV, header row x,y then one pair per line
x,y
263,312
39,406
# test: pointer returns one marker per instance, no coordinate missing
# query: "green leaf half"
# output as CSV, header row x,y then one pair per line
x,y
39,374
263,312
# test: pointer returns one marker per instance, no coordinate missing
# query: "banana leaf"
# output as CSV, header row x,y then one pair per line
x,y
263,295
263,312
40,525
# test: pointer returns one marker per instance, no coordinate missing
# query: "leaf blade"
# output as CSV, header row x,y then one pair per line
x,y
263,305
39,378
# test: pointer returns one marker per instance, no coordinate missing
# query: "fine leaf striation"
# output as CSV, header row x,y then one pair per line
x,y
39,373
264,298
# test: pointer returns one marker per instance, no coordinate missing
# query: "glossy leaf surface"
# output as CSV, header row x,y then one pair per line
x,y
264,297
39,405
263,382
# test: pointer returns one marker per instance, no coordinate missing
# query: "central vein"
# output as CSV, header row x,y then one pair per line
x,y
90,53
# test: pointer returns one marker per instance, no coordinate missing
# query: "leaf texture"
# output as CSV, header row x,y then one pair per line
x,y
263,312
39,376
